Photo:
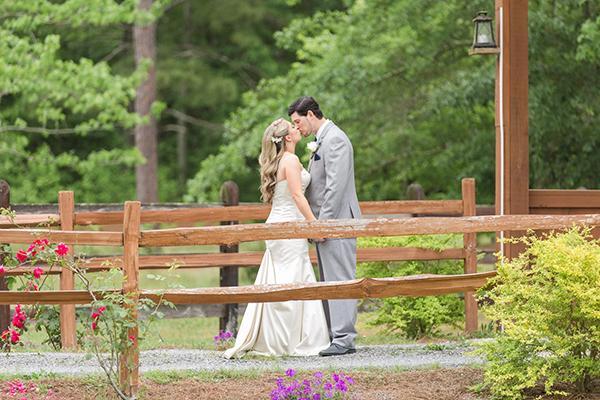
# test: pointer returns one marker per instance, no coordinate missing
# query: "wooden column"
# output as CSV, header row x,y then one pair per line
x,y
66,210
4,309
230,196
470,247
129,364
512,103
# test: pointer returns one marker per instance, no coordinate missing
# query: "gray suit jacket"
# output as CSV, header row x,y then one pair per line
x,y
331,192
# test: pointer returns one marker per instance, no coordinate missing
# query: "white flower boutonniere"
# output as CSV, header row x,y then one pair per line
x,y
312,146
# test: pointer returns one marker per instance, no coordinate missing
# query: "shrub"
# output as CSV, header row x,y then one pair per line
x,y
415,317
548,300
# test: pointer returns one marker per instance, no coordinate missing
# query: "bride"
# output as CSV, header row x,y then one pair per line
x,y
296,328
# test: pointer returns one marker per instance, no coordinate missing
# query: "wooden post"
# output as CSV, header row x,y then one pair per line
x,y
512,178
230,196
4,309
470,247
129,364
66,210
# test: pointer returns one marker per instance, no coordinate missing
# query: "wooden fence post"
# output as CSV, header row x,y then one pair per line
x,y
230,196
470,247
130,361
4,309
66,210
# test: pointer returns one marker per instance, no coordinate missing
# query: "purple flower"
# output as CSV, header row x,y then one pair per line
x,y
316,396
318,375
290,372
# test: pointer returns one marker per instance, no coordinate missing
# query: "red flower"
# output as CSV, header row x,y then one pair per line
x,y
41,243
31,250
94,325
31,286
22,255
62,249
101,310
37,272
19,318
5,334
14,337
2,270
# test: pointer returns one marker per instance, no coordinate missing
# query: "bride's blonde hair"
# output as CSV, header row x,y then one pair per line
x,y
273,148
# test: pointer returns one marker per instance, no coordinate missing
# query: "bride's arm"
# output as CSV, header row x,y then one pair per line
x,y
293,169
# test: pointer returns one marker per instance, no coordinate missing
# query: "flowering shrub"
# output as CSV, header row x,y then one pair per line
x,y
316,387
223,340
113,313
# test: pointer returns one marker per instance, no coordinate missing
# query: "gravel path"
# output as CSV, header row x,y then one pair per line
x,y
382,356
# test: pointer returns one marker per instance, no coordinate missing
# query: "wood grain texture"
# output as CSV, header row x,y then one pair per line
x,y
359,228
68,332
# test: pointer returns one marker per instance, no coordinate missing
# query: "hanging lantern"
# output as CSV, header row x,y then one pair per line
x,y
483,31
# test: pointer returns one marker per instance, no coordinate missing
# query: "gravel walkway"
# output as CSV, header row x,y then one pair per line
x,y
383,356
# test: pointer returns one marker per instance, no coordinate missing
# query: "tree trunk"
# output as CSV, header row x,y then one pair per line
x,y
146,136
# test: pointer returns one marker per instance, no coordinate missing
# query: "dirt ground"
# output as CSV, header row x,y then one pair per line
x,y
438,384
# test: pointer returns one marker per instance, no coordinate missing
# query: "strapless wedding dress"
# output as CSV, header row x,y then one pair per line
x,y
296,328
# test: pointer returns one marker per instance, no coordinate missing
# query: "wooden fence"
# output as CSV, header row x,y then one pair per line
x,y
230,259
132,238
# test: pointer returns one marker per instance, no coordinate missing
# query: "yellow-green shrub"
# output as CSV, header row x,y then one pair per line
x,y
548,301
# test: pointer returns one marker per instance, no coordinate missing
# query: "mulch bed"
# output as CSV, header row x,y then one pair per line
x,y
438,384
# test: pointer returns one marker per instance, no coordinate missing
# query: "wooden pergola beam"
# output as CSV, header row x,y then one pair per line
x,y
512,114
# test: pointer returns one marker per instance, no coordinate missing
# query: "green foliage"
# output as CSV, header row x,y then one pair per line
x,y
415,317
395,75
548,300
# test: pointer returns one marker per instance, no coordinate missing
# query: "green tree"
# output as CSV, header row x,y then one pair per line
x,y
44,94
396,77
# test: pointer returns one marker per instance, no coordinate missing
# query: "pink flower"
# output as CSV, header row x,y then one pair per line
x,y
101,310
2,270
62,249
14,336
41,243
5,334
31,287
22,256
19,318
31,250
94,325
37,272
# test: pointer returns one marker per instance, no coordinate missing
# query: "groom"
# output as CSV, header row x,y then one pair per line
x,y
331,195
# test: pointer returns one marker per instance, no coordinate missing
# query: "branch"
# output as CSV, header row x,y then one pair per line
x,y
27,129
194,120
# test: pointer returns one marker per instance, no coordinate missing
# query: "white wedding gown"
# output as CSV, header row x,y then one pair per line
x,y
296,328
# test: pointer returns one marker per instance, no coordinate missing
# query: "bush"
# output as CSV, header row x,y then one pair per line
x,y
548,300
415,317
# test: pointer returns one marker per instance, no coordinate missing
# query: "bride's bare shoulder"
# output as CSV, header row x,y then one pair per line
x,y
291,159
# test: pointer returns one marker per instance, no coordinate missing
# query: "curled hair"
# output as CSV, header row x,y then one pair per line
x,y
270,156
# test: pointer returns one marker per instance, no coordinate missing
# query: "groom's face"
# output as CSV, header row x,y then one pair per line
x,y
302,123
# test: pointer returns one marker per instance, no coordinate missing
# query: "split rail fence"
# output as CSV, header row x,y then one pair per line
x,y
132,238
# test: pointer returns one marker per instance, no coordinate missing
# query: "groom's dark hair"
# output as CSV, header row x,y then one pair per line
x,y
305,104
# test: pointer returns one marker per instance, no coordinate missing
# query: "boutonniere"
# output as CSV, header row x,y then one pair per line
x,y
313,147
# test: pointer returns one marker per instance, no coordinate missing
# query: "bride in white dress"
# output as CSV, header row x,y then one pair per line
x,y
296,328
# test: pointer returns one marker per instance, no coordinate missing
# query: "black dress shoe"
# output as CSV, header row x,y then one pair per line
x,y
336,350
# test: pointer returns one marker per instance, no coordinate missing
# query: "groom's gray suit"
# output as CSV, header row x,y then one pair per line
x,y
332,195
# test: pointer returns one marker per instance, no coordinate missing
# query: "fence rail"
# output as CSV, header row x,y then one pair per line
x,y
415,285
132,238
